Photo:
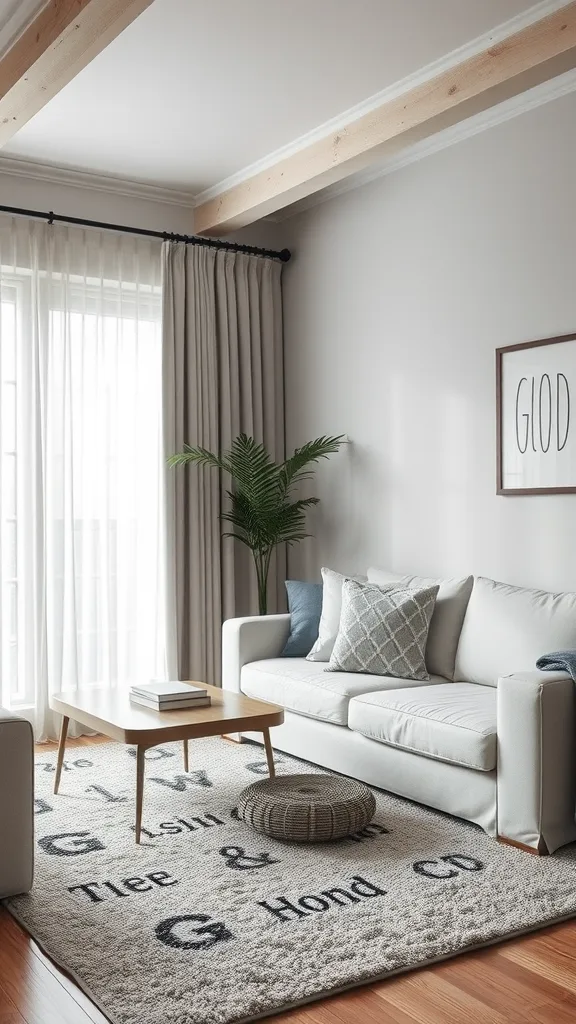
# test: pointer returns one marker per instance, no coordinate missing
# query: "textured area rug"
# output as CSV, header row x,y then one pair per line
x,y
208,922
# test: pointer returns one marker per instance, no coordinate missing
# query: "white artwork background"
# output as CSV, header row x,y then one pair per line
x,y
539,416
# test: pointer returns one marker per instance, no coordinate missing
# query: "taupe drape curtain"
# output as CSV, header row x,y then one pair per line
x,y
222,374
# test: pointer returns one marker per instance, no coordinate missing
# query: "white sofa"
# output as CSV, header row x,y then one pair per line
x,y
494,742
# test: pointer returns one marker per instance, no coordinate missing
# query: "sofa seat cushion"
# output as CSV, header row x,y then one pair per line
x,y
453,722
306,688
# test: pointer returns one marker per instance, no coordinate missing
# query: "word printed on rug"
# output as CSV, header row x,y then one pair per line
x,y
199,931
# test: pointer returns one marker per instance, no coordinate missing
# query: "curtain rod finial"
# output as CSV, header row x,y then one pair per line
x,y
285,255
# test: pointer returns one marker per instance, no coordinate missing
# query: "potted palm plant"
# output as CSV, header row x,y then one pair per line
x,y
262,510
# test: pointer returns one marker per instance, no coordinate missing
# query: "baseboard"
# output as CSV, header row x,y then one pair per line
x,y
539,851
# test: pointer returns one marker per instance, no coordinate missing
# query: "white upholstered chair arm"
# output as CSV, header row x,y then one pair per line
x,y
16,804
250,639
536,723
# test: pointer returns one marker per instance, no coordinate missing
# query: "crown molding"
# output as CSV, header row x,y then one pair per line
x,y
506,111
20,168
412,81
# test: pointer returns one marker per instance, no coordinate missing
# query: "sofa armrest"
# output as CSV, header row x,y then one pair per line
x,y
16,804
250,639
536,724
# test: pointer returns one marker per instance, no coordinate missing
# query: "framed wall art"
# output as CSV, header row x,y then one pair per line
x,y
536,417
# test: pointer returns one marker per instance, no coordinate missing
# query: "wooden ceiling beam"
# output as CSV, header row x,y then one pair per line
x,y
63,38
531,56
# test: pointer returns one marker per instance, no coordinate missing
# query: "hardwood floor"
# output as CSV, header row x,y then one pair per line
x,y
531,980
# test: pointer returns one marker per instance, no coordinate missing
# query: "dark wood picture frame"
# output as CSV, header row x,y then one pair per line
x,y
500,353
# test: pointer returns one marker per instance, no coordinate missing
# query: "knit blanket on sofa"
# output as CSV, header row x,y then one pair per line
x,y
558,661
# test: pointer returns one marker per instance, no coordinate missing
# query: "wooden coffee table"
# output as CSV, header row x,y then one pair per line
x,y
112,713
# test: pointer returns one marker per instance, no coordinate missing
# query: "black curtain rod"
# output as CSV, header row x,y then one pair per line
x,y
167,236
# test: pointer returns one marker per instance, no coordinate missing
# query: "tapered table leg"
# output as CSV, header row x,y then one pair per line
x,y
61,749
185,744
269,753
140,761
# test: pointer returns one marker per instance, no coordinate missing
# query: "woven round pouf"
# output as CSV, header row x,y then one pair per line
x,y
307,808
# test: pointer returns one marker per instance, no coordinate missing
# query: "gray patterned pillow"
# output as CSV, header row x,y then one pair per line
x,y
383,630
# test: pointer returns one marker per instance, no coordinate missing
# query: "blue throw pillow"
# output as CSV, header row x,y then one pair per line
x,y
305,607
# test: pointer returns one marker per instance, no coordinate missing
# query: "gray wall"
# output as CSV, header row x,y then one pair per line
x,y
397,298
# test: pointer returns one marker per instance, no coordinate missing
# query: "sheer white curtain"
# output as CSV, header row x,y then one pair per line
x,y
82,558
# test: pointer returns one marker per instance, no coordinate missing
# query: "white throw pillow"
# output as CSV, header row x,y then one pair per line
x,y
330,617
447,619
507,629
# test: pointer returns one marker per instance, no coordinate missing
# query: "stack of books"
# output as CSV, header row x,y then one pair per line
x,y
169,696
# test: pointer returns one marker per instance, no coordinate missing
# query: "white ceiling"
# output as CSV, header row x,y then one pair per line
x,y
195,90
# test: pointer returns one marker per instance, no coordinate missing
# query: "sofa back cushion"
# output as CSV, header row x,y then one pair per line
x,y
447,619
506,629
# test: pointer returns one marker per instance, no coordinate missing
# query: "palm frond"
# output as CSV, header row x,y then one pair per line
x,y
257,522
254,471
306,502
293,468
294,538
290,518
201,456
241,538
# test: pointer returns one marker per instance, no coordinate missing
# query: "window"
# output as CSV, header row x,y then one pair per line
x,y
81,552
